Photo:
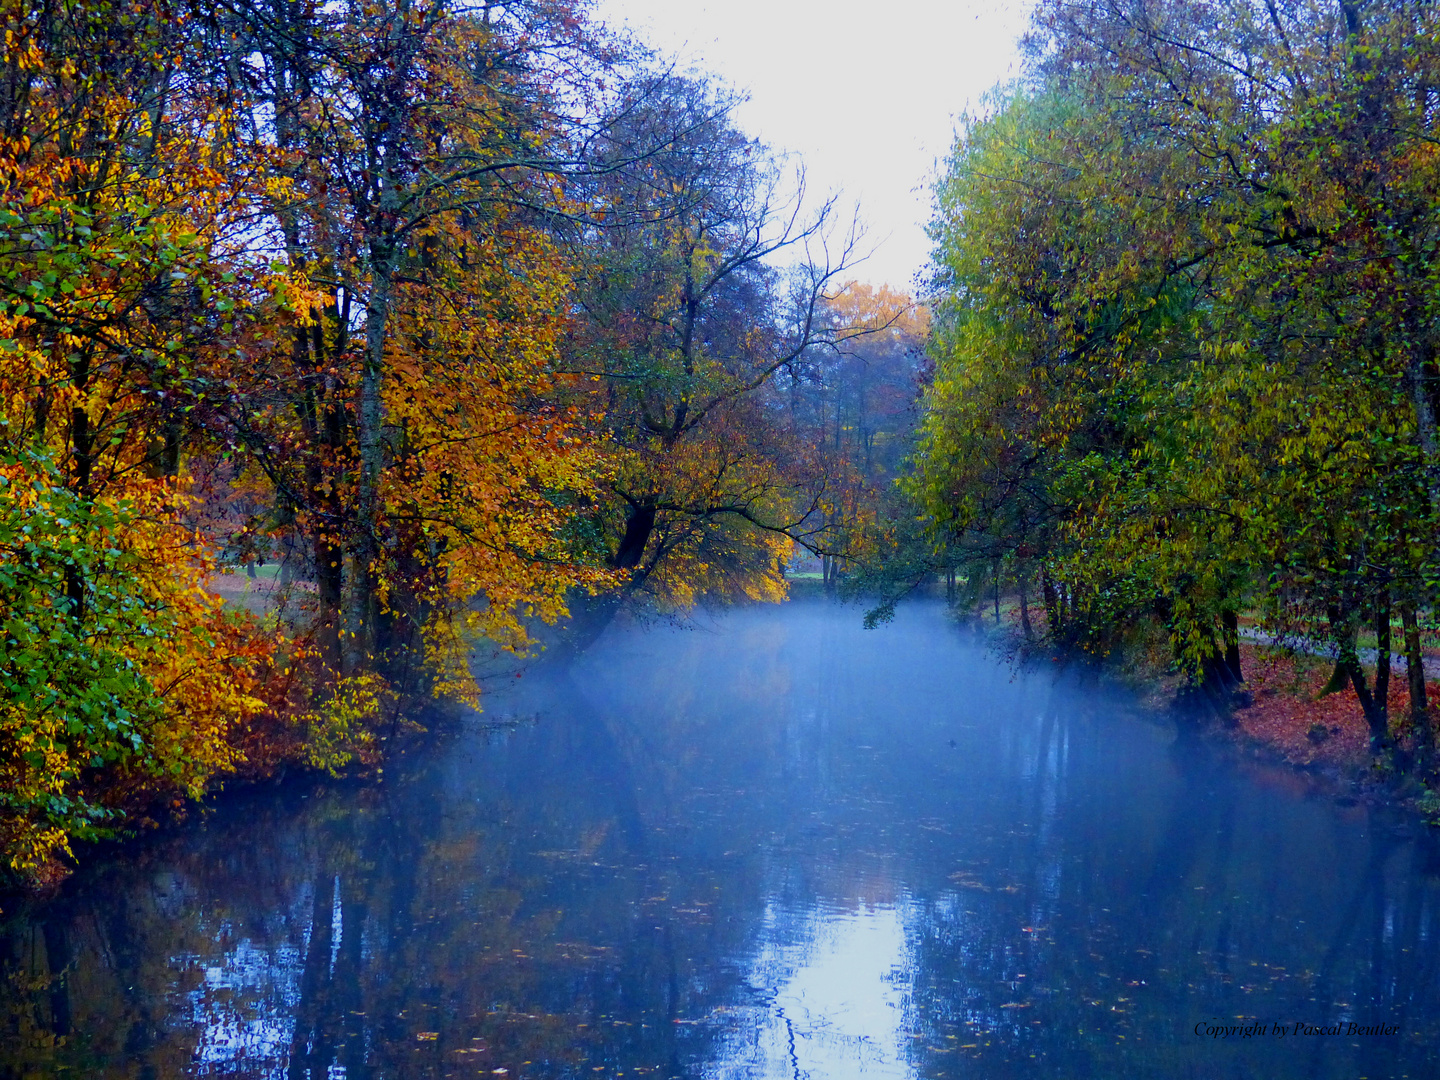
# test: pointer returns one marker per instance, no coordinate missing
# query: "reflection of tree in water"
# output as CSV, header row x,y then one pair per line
x,y
442,921
585,894
645,880
1097,958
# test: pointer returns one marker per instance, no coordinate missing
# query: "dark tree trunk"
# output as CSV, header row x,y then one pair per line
x,y
1210,687
1051,602
1415,675
1217,682
1345,628
1230,626
369,420
42,411
170,456
638,527
1025,610
57,959
1420,378
1382,656
590,615
82,455
329,584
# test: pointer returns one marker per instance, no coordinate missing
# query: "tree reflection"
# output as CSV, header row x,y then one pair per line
x,y
1099,955
808,849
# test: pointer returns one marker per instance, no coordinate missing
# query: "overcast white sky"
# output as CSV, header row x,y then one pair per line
x,y
866,94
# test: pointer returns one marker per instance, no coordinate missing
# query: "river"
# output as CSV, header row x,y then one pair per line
x,y
772,844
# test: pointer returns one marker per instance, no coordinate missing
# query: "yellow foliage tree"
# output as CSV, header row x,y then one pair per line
x,y
123,678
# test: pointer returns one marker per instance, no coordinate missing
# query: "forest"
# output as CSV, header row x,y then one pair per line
x,y
479,327
1185,343
461,321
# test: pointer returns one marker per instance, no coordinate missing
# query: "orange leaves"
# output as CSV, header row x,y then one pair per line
x,y
122,680
485,468
119,297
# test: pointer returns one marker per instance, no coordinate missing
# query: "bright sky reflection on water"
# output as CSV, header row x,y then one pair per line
x,y
840,1013
771,847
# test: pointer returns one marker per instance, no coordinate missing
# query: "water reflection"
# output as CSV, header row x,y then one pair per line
x,y
775,847
836,983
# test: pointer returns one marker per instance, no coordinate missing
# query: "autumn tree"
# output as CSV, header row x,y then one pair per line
x,y
853,397
411,429
686,315
311,252
121,280
1186,262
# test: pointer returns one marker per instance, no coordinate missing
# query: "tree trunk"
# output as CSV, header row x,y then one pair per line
x,y
1415,675
997,592
638,526
170,456
1230,627
1382,655
1025,610
365,548
81,454
1345,627
590,615
58,957
324,425
1217,682
1051,602
1420,382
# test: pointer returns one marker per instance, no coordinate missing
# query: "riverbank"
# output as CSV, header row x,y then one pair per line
x,y
1290,719
1282,716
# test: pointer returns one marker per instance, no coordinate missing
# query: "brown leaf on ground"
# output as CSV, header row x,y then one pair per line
x,y
1289,717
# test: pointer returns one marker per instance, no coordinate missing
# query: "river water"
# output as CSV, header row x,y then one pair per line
x,y
772,845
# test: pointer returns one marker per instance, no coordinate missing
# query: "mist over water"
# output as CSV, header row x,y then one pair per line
x,y
772,845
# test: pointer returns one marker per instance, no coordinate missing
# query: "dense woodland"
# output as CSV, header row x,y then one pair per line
x,y
483,326
1187,282
470,319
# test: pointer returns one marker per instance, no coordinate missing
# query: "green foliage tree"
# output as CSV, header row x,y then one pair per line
x,y
1183,275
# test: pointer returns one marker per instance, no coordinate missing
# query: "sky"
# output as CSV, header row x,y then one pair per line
x,y
867,96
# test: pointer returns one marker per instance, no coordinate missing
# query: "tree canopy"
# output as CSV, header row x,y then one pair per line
x,y
466,314
1185,357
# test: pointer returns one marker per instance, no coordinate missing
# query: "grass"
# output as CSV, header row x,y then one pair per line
x,y
263,571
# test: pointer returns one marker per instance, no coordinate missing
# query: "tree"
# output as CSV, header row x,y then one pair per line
x,y
425,458
122,679
683,323
1184,268
853,398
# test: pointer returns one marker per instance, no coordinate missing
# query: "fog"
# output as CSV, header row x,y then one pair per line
x,y
767,844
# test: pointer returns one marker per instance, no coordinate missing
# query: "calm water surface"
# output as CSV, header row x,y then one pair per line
x,y
774,846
